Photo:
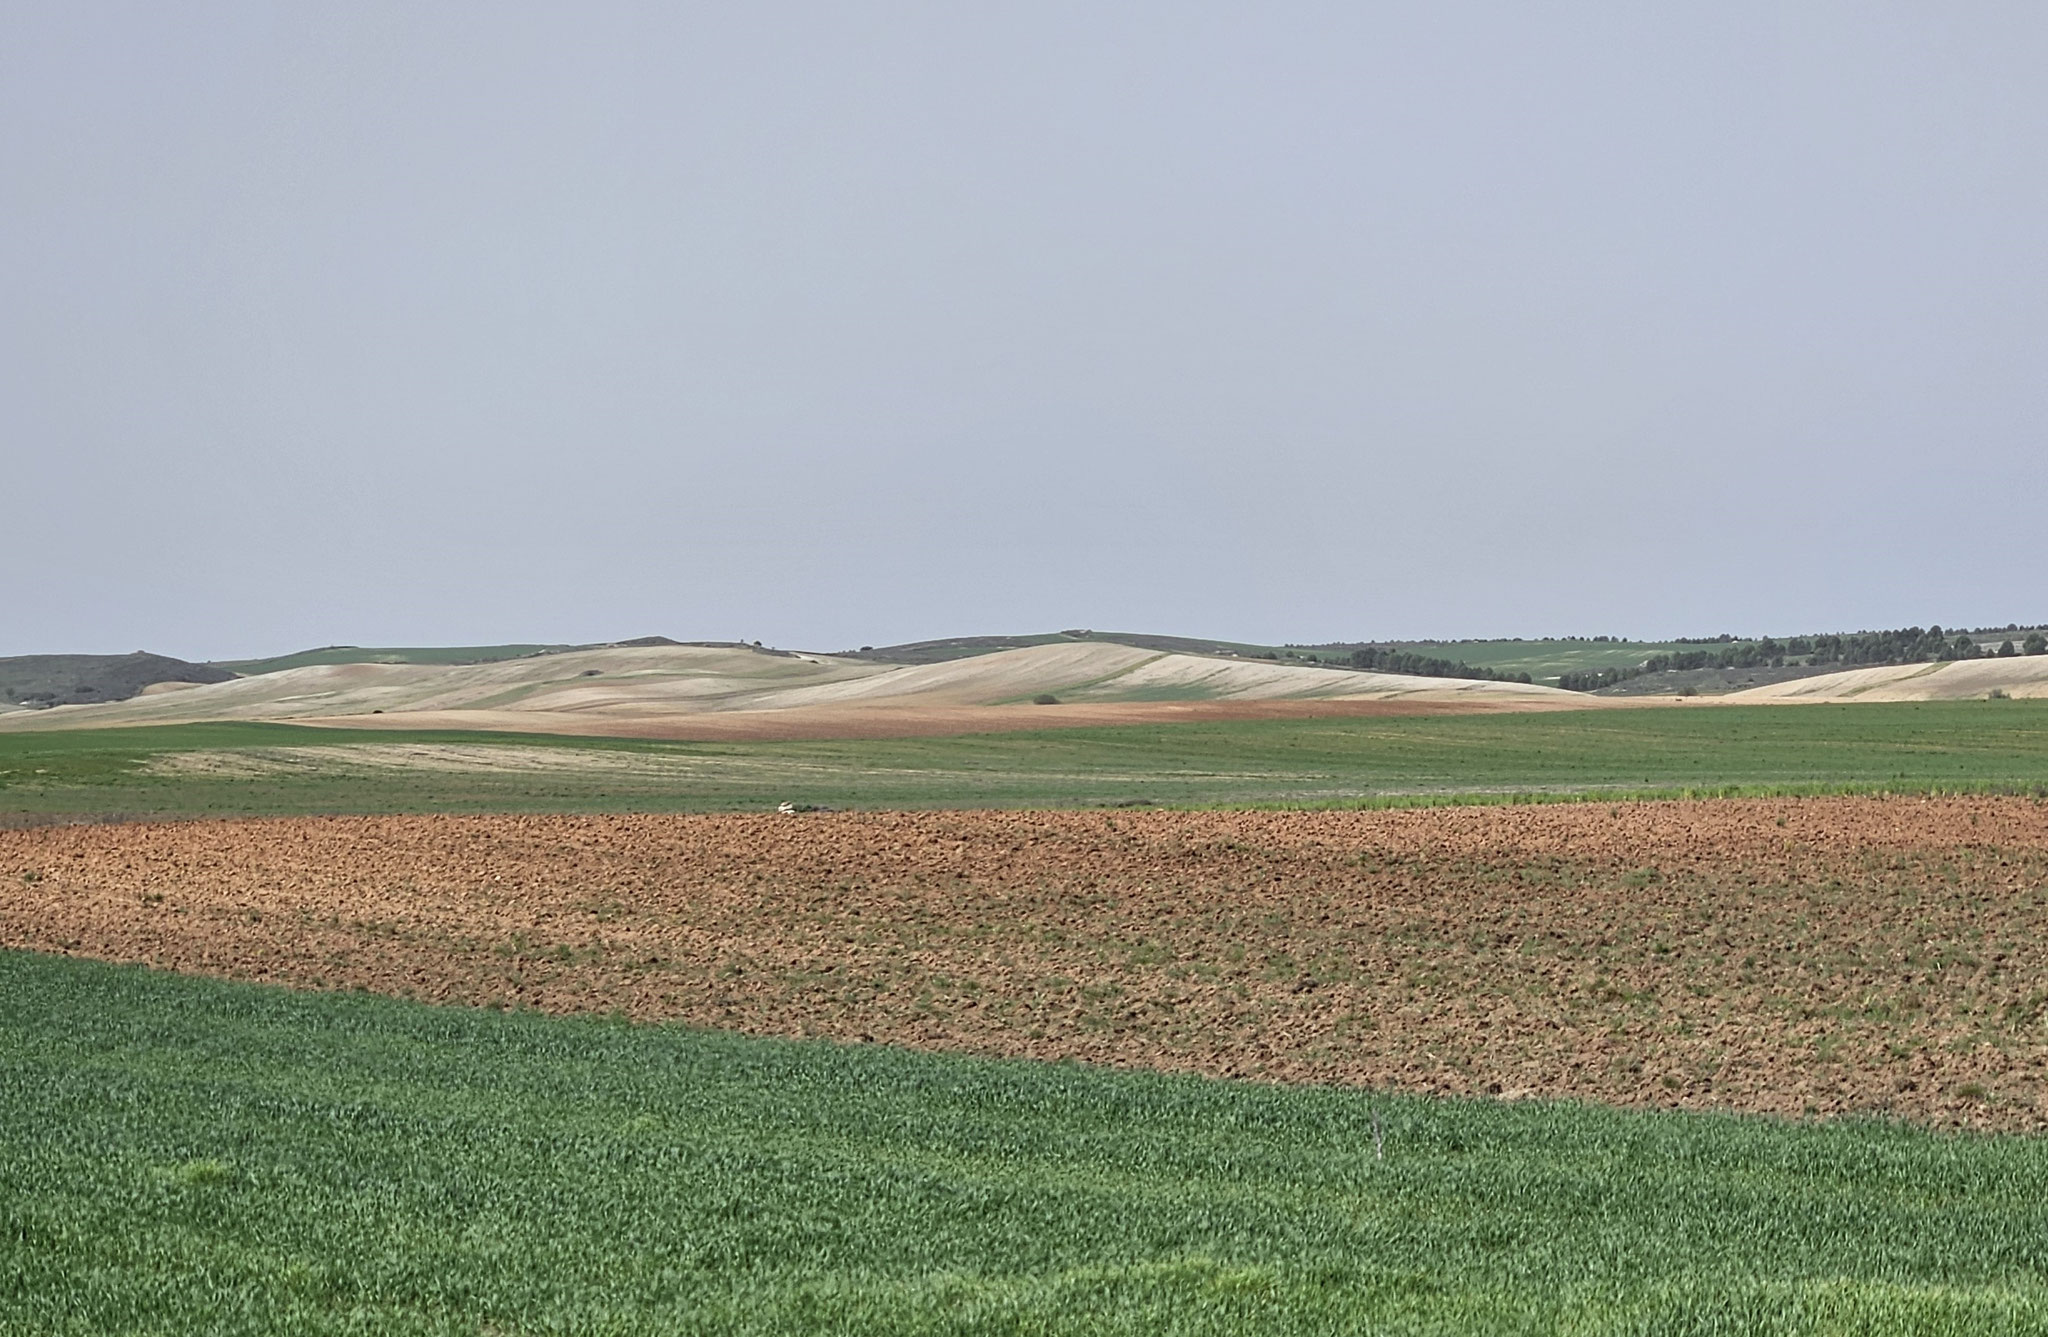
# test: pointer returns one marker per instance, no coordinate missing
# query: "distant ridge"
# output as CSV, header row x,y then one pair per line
x,y
687,690
960,647
358,654
330,655
39,681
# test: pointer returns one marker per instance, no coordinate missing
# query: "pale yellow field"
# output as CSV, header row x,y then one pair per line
x,y
1964,680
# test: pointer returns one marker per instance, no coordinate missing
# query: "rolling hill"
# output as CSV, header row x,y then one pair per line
x,y
1955,680
38,681
670,690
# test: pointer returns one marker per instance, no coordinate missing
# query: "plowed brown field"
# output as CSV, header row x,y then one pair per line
x,y
1796,956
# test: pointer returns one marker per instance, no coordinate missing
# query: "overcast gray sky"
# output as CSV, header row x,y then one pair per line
x,y
836,324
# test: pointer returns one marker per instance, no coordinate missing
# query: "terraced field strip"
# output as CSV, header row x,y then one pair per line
x,y
1795,956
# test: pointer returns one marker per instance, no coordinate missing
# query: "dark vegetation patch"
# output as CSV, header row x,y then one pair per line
x,y
1575,663
1375,659
1713,681
73,680
1815,654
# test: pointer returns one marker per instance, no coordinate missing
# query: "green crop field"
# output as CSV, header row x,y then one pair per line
x,y
197,1156
257,769
194,1156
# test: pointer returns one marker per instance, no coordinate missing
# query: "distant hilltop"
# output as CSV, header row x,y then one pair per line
x,y
738,690
41,681
1720,666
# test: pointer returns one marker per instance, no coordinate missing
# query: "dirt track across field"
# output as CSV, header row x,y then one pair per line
x,y
1819,956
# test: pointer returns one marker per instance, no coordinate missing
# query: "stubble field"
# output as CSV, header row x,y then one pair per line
x,y
1812,956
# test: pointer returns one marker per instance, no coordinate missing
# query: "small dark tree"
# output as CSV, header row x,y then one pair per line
x,y
2006,651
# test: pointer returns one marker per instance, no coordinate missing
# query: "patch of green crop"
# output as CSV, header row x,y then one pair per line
x,y
196,1156
1946,747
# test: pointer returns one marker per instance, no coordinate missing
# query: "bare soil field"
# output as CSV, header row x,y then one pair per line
x,y
1808,956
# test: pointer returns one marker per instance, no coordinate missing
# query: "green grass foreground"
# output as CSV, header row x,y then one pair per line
x,y
195,1156
1955,746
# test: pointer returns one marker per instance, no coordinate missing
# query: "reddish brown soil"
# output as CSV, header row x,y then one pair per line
x,y
1798,956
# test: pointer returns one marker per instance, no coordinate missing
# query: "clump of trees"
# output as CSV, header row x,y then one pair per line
x,y
1906,645
1374,659
1592,680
